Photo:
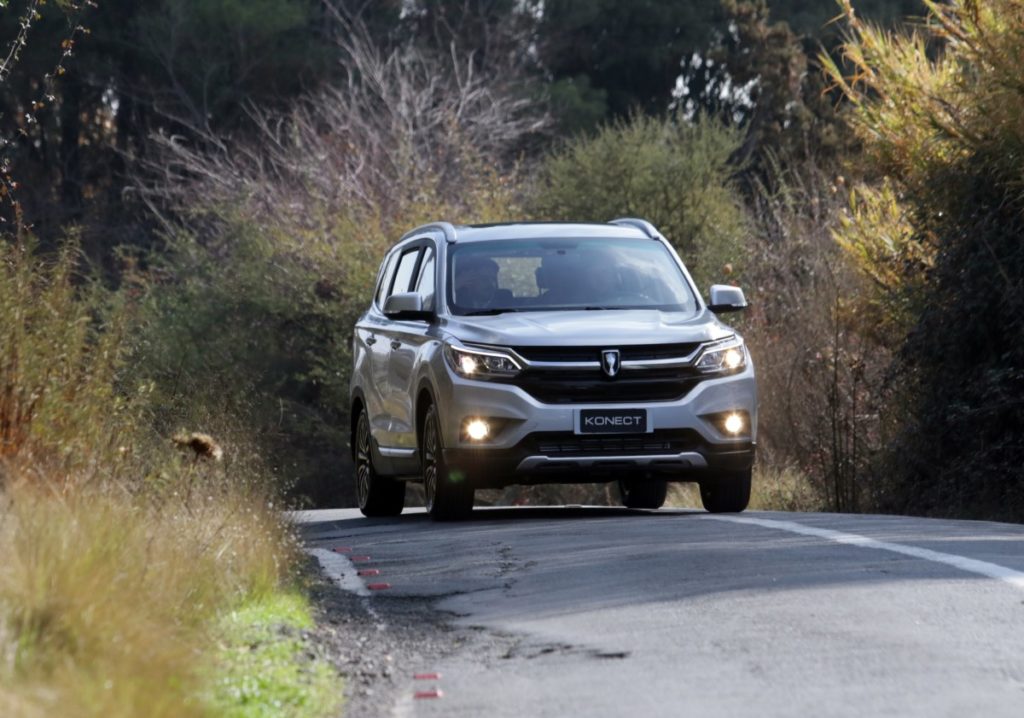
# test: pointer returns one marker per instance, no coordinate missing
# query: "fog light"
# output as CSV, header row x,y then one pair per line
x,y
733,423
477,429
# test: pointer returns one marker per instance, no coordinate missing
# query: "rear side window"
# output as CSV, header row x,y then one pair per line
x,y
406,267
385,279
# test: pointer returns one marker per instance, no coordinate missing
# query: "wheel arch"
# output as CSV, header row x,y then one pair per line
x,y
424,400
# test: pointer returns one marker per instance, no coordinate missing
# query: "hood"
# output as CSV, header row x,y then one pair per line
x,y
588,328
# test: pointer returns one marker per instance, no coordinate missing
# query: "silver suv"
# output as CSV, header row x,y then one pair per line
x,y
536,353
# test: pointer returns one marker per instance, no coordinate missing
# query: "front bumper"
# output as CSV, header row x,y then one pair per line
x,y
497,468
537,442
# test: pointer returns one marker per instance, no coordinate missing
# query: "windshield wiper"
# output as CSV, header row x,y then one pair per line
x,y
487,312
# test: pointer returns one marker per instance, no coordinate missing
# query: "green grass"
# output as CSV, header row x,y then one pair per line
x,y
263,666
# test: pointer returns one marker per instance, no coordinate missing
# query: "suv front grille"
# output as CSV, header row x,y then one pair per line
x,y
666,441
558,386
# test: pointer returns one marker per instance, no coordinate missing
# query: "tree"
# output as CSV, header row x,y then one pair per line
x,y
939,112
606,58
147,65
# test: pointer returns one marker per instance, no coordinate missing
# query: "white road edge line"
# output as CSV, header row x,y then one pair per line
x,y
983,568
343,572
339,569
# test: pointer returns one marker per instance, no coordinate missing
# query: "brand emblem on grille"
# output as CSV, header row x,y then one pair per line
x,y
610,361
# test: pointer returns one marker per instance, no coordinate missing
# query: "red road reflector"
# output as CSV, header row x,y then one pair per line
x,y
426,676
378,586
433,693
360,559
342,549
368,572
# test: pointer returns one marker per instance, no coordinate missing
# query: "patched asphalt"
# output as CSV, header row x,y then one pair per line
x,y
610,612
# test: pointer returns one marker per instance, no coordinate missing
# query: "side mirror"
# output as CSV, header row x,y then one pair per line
x,y
406,305
725,298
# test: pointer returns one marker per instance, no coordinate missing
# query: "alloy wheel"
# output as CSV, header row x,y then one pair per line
x,y
363,466
430,462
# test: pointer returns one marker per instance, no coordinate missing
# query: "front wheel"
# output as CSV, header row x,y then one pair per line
x,y
377,495
447,493
641,493
727,493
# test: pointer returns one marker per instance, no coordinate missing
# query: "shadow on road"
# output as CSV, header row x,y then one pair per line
x,y
315,521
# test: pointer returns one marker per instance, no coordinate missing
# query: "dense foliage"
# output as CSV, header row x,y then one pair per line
x,y
939,112
235,170
196,195
674,173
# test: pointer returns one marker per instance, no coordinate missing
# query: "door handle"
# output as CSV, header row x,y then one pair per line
x,y
371,340
395,344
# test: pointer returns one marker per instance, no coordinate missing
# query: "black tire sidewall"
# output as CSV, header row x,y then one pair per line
x,y
451,501
384,496
643,493
728,493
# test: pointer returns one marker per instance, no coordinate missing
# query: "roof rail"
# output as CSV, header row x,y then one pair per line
x,y
447,228
642,224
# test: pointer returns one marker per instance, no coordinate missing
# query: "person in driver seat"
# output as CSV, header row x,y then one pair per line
x,y
578,279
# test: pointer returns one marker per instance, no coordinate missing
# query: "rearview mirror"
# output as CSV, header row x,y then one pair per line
x,y
725,298
406,305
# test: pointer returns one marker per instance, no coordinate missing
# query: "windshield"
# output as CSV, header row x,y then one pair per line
x,y
517,275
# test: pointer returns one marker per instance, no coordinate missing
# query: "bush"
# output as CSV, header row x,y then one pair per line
x,y
938,111
63,353
120,553
820,357
273,243
674,173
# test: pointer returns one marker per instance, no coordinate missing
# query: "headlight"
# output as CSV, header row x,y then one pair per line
x,y
480,363
727,357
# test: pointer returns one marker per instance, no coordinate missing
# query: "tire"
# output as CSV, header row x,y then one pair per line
x,y
642,493
728,493
376,495
448,495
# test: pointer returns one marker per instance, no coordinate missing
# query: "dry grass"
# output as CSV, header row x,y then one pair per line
x,y
775,488
120,553
106,599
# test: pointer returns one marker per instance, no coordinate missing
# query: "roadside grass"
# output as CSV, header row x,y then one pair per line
x,y
108,602
121,557
264,664
114,605
783,488
774,488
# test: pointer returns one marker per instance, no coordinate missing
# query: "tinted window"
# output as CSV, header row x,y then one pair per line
x,y
425,285
564,274
385,278
403,276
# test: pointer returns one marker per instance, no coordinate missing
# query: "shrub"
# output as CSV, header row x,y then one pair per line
x,y
938,111
120,553
820,359
674,173
62,356
273,243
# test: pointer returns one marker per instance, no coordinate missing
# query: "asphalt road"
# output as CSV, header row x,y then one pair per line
x,y
605,612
